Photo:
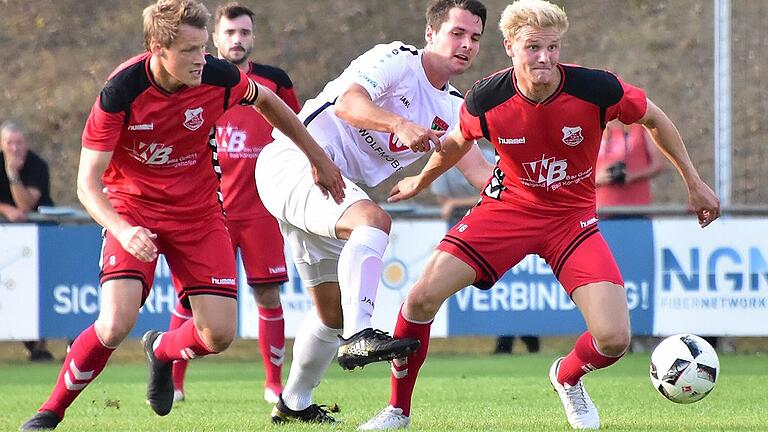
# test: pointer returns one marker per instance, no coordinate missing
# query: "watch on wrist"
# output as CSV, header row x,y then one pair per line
x,y
14,180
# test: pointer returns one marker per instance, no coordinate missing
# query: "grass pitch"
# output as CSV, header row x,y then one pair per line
x,y
455,392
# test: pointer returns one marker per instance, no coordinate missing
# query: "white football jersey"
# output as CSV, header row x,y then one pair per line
x,y
395,79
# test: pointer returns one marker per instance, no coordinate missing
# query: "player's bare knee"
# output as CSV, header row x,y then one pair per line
x,y
381,220
112,331
266,295
614,342
365,213
423,305
218,340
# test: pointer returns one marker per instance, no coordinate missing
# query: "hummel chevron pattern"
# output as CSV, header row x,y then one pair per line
x,y
82,378
278,355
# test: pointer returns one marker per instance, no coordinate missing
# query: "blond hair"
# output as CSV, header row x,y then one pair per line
x,y
163,19
539,14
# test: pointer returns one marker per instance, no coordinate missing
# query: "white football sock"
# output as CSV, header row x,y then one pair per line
x,y
313,350
360,267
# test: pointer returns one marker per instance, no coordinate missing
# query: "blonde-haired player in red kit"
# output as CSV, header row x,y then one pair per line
x,y
148,175
545,120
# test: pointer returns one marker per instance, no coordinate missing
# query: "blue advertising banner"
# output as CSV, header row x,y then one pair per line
x,y
678,278
529,300
712,281
69,284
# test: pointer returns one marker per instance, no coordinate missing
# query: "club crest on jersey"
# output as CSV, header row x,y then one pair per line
x,y
572,136
439,124
193,118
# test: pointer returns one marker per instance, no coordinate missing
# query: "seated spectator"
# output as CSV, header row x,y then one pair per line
x,y
24,185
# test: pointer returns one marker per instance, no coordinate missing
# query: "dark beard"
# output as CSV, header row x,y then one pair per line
x,y
243,60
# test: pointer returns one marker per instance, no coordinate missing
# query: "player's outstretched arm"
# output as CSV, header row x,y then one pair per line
x,y
701,198
325,173
475,167
454,147
356,107
136,240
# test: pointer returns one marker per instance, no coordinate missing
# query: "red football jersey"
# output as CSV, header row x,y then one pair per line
x,y
162,163
241,134
548,150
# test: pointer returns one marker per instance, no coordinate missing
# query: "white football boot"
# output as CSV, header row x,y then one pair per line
x,y
389,418
581,412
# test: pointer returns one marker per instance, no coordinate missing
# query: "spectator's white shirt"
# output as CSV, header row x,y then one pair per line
x,y
394,77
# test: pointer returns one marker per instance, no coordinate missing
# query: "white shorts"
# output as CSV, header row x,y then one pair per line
x,y
307,219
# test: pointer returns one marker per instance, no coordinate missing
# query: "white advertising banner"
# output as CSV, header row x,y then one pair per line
x,y
19,284
411,244
711,281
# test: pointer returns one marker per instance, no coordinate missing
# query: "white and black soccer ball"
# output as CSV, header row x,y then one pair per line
x,y
684,368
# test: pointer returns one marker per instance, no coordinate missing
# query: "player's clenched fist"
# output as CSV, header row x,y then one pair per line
x,y
137,241
417,138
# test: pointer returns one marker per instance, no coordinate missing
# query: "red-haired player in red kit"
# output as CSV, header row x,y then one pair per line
x,y
148,176
239,138
545,120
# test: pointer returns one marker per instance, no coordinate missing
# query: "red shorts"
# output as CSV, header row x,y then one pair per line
x,y
261,248
495,236
199,255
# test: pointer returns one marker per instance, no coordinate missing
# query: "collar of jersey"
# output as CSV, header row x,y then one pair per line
x,y
547,100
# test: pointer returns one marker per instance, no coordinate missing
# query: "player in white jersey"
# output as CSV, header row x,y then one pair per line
x,y
395,79
386,110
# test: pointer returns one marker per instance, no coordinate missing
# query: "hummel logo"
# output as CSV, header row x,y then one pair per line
x,y
585,224
222,281
142,127
511,140
275,270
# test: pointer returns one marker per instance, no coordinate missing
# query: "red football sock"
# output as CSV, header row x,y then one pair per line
x,y
84,362
582,359
404,372
178,317
272,346
183,343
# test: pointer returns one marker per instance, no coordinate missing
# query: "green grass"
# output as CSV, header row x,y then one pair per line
x,y
455,392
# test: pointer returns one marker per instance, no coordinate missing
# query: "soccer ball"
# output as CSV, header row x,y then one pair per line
x,y
684,368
